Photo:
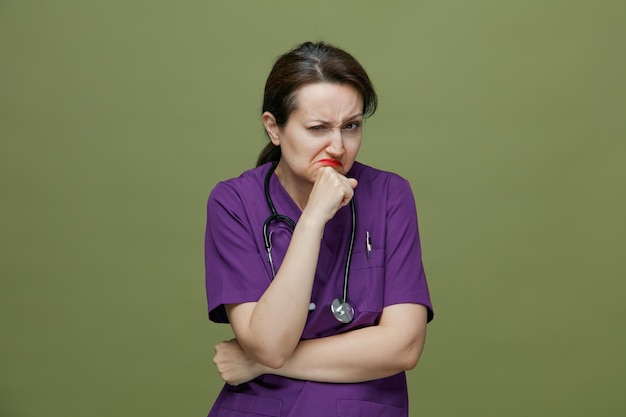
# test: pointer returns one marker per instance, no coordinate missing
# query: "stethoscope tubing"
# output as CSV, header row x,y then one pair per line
x,y
350,248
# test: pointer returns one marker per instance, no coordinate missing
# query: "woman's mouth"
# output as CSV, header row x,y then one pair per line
x,y
331,163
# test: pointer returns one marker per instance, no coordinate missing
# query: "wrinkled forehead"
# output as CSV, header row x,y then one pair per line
x,y
329,102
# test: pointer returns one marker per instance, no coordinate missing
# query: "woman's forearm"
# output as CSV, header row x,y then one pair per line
x,y
361,355
263,328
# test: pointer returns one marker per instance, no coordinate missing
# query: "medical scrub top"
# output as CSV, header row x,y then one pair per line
x,y
238,271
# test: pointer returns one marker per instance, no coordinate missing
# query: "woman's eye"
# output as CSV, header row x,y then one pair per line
x,y
352,125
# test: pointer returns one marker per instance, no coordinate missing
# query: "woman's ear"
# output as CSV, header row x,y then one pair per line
x,y
271,127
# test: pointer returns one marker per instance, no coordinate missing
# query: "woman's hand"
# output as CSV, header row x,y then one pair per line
x,y
234,365
330,192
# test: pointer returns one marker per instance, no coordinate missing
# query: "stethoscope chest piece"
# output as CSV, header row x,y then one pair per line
x,y
342,311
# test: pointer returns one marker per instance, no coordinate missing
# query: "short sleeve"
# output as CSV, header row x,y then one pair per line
x,y
405,279
234,271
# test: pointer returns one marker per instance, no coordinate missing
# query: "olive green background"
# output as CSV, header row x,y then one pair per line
x,y
118,117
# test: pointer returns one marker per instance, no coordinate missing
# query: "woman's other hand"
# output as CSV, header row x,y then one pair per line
x,y
234,365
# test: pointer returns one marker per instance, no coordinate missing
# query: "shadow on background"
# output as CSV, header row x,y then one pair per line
x,y
117,118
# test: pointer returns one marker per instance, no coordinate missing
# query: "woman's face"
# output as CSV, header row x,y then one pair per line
x,y
324,129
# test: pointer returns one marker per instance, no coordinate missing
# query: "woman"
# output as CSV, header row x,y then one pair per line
x,y
314,259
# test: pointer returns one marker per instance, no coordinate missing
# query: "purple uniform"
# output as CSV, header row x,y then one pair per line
x,y
238,271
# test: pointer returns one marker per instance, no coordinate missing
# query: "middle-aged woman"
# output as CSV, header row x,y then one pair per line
x,y
314,259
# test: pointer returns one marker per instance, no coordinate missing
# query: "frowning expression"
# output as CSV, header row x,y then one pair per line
x,y
324,129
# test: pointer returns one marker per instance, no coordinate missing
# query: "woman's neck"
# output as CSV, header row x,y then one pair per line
x,y
298,192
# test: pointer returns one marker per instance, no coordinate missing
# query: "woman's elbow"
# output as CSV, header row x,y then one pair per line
x,y
411,359
272,360
412,354
271,357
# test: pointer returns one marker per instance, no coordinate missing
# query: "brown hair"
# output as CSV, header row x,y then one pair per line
x,y
306,64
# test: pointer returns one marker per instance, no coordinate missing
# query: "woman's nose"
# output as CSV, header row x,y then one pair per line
x,y
335,144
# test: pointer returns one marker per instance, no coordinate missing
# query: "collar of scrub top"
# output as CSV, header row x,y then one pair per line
x,y
341,309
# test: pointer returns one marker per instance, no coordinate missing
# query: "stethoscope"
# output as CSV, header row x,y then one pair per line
x,y
341,309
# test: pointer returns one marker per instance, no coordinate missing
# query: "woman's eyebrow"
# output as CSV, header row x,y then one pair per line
x,y
356,116
324,121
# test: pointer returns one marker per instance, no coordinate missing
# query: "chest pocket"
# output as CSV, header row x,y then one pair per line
x,y
366,289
